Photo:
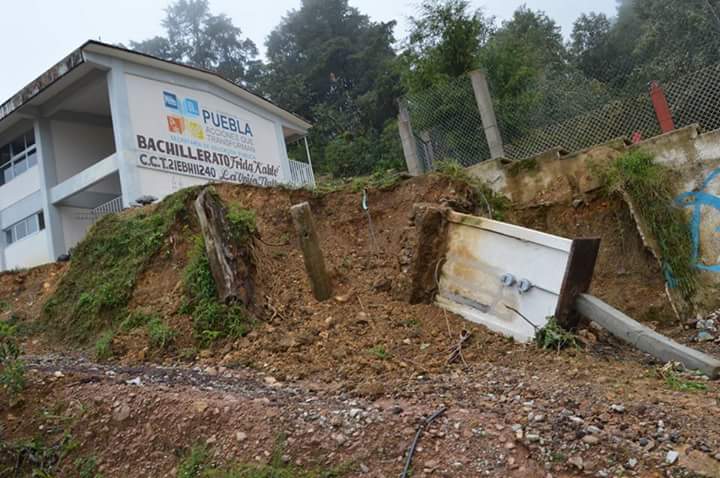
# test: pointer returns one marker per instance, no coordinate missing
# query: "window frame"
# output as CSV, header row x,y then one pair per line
x,y
30,149
32,224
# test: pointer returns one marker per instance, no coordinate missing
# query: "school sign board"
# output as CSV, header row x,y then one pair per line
x,y
180,131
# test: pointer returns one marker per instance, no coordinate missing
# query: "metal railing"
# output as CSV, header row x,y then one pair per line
x,y
301,174
112,206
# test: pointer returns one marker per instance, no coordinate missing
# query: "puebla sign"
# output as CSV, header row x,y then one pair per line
x,y
193,133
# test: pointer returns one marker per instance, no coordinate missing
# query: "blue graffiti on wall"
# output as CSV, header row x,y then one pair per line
x,y
696,200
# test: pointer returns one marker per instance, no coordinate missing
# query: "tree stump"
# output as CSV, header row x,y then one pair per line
x,y
231,264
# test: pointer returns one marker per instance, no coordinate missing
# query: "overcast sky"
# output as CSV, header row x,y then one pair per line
x,y
38,33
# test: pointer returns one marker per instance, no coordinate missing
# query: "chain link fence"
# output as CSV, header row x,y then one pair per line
x,y
447,125
571,113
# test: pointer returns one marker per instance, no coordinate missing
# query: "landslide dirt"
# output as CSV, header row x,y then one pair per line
x,y
348,380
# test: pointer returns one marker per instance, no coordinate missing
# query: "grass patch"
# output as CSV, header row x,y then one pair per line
x,y
554,337
517,168
212,320
12,369
103,345
136,319
197,464
674,381
649,186
485,198
93,294
160,334
242,223
379,351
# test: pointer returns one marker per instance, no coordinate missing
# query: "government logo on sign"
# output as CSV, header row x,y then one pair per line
x,y
189,109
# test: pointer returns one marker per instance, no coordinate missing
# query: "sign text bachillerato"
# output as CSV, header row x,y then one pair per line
x,y
182,131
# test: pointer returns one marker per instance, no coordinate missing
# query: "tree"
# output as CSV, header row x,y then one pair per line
x,y
444,42
333,65
196,37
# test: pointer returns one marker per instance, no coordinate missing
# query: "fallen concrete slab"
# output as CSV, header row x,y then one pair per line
x,y
644,338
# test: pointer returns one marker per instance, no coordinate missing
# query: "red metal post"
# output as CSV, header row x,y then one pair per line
x,y
662,110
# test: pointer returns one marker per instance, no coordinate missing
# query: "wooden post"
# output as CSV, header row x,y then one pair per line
x,y
312,254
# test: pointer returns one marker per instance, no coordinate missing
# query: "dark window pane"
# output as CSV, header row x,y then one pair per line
x,y
8,236
5,154
30,138
18,145
41,220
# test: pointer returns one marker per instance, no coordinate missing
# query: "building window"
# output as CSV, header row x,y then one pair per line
x,y
26,227
17,156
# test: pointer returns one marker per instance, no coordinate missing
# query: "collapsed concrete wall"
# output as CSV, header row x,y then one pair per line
x,y
554,177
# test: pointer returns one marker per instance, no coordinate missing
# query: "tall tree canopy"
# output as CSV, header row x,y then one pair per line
x,y
333,65
445,42
196,37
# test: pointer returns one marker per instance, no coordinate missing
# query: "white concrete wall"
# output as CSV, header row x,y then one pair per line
x,y
22,186
75,222
78,146
29,251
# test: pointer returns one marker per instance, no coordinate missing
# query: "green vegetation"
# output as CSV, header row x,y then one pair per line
x,y
649,186
94,293
36,458
379,352
136,319
485,198
211,319
197,464
554,337
242,223
87,468
160,334
524,166
12,369
103,345
675,382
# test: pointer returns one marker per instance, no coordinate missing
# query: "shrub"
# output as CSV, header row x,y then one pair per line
x,y
554,337
103,345
159,333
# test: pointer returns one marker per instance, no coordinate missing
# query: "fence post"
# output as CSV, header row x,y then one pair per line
x,y
409,145
662,110
487,114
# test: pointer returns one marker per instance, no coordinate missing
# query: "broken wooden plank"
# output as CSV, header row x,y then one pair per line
x,y
312,254
578,275
644,338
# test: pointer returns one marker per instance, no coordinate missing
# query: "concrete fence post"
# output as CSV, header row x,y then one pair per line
x,y
487,114
409,145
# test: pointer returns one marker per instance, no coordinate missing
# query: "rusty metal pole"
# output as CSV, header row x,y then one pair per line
x,y
662,109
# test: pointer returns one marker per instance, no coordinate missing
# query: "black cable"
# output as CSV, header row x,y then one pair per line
x,y
422,427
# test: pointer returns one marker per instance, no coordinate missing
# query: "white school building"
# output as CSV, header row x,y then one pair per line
x,y
107,126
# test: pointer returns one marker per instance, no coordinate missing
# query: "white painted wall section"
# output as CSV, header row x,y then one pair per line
x,y
78,146
29,251
20,187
